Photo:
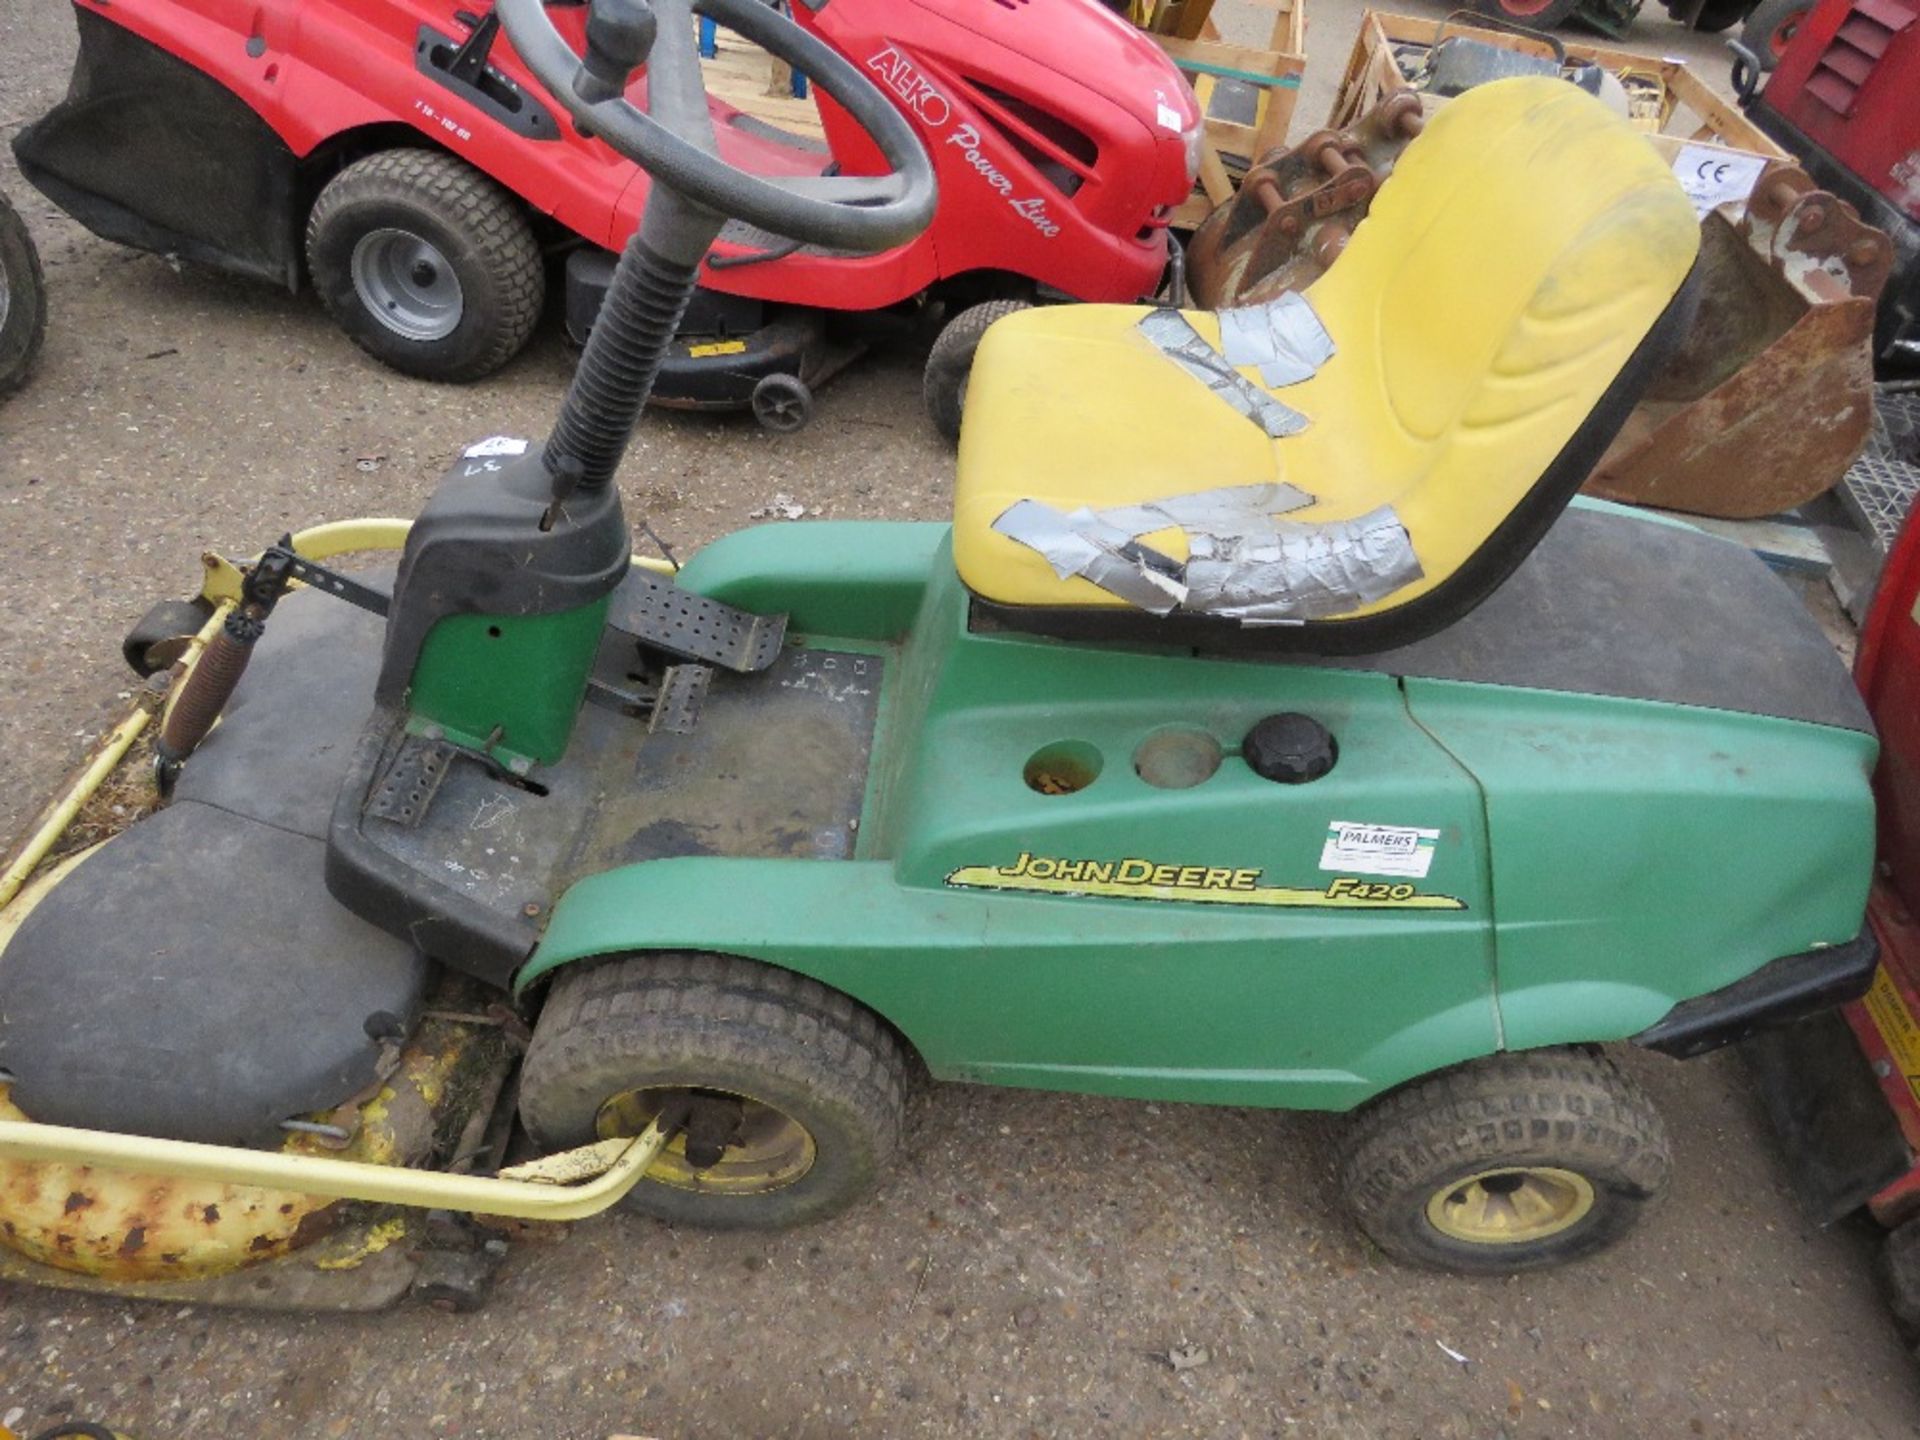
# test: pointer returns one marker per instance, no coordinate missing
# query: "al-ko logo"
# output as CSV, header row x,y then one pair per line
x,y
911,86
934,110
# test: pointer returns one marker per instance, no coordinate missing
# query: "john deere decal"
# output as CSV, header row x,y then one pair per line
x,y
1136,878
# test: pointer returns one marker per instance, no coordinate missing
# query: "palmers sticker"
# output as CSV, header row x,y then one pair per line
x,y
1141,878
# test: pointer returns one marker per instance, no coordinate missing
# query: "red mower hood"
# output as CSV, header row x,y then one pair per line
x,y
1085,41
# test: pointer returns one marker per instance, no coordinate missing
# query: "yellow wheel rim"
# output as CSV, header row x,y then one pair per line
x,y
1510,1206
770,1149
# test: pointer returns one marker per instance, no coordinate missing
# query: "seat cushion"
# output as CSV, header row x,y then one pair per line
x,y
1510,268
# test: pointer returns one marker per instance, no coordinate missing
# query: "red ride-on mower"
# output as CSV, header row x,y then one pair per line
x,y
1843,1088
399,157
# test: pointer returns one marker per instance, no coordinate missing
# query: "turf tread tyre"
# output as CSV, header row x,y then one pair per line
x,y
1566,1108
481,229
733,1024
1765,22
26,320
944,385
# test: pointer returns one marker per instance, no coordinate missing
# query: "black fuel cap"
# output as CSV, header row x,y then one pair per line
x,y
1290,748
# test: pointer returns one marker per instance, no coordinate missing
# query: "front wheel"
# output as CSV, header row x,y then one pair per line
x,y
426,264
951,362
793,1097
1511,1162
23,300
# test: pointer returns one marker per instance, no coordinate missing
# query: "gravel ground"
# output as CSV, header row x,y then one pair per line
x,y
1036,1258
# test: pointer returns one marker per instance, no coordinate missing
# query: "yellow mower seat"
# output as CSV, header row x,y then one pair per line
x,y
1492,321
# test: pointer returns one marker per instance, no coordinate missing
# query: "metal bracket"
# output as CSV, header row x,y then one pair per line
x,y
341,587
325,579
662,616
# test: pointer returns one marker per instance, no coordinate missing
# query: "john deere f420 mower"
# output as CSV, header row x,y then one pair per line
x,y
1263,731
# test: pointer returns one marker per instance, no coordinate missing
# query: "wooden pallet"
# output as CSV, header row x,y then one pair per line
x,y
1185,30
749,79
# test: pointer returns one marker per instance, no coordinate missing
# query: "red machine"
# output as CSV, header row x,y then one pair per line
x,y
1844,99
1843,1088
397,155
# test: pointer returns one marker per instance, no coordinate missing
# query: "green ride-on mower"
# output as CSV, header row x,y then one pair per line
x,y
1264,731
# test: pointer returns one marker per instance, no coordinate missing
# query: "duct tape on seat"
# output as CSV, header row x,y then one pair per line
x,y
1283,339
1188,348
1244,563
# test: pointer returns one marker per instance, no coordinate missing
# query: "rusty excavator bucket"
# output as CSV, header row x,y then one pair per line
x,y
1762,408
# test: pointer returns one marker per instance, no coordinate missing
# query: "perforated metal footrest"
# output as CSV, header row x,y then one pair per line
x,y
405,791
662,616
683,690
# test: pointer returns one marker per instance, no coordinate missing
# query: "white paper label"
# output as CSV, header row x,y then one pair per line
x,y
496,445
1713,177
1169,117
1378,849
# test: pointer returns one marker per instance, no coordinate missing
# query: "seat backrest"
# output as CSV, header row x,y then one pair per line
x,y
1507,273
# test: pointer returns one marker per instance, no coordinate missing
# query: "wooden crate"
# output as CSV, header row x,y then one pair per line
x,y
749,79
1687,111
1185,30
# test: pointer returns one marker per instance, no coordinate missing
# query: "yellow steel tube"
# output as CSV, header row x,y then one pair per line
x,y
55,819
349,1179
344,537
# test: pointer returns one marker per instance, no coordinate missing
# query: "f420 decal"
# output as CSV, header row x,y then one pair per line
x,y
1139,878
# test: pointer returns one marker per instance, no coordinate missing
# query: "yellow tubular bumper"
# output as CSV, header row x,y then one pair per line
x,y
221,586
541,1190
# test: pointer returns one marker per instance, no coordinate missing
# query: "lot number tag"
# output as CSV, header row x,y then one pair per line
x,y
1356,849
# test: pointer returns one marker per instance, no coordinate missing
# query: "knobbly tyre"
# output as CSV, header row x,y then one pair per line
x,y
1351,770
23,300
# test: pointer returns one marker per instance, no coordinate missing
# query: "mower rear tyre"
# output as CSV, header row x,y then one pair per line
x,y
23,300
426,264
1511,1162
807,1090
951,361
1771,28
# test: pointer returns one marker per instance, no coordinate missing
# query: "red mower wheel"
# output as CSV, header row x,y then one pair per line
x,y
1772,27
1540,14
426,264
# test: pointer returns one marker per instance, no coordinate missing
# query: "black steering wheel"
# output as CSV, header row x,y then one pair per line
x,y
673,139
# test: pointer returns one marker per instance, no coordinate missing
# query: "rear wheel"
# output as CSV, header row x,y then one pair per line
x,y
1771,27
426,264
1511,1162
951,361
1540,14
794,1095
1718,15
23,300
